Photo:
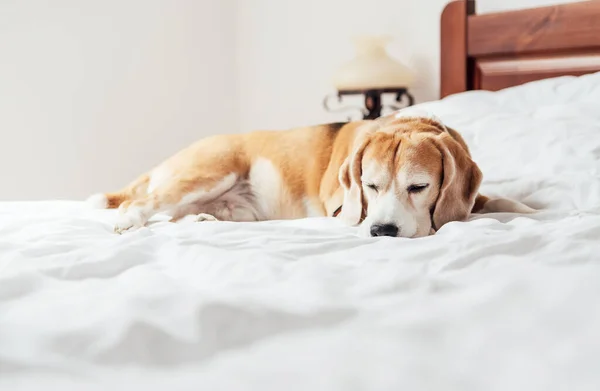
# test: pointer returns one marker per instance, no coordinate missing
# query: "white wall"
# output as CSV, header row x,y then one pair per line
x,y
92,93
288,50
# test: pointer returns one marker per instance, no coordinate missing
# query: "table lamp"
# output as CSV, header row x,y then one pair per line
x,y
371,73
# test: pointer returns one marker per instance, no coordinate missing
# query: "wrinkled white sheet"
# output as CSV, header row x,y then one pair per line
x,y
503,302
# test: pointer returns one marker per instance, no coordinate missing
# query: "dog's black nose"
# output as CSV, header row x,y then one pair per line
x,y
384,230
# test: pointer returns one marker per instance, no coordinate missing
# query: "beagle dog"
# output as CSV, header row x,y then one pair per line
x,y
399,176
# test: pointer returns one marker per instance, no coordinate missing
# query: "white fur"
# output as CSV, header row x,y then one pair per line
x,y
312,208
375,173
259,197
237,204
159,176
267,187
393,204
206,195
133,217
137,214
97,201
388,209
204,217
352,208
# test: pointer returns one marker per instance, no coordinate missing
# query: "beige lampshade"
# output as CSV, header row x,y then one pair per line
x,y
372,67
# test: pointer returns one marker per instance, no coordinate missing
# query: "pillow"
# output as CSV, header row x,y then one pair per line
x,y
538,142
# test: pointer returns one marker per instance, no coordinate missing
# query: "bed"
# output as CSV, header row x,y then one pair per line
x,y
500,302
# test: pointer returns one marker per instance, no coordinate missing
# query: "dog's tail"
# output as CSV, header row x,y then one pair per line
x,y
114,200
485,204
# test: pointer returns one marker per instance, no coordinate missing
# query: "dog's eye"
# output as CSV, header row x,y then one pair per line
x,y
417,188
372,186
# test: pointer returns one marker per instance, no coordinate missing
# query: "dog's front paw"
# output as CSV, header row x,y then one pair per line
x,y
126,223
122,226
205,217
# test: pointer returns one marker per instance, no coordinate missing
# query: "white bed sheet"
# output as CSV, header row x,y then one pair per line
x,y
502,302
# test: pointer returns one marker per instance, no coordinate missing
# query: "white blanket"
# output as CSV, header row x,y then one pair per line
x,y
502,302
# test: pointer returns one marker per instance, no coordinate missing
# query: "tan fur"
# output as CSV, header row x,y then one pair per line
x,y
421,145
431,126
319,165
135,189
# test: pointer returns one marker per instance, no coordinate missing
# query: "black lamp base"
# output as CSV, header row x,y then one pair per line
x,y
373,103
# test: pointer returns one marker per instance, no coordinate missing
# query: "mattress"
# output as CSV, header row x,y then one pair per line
x,y
500,302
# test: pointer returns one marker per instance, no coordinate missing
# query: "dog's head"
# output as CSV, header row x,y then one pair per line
x,y
407,177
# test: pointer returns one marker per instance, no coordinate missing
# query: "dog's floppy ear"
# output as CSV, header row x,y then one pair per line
x,y
353,208
460,183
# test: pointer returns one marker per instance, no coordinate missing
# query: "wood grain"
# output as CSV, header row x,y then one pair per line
x,y
496,74
505,49
565,27
454,65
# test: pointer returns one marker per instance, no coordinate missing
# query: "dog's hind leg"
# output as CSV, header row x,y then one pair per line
x,y
173,195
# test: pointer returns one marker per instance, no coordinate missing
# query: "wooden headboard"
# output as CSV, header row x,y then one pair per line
x,y
504,49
